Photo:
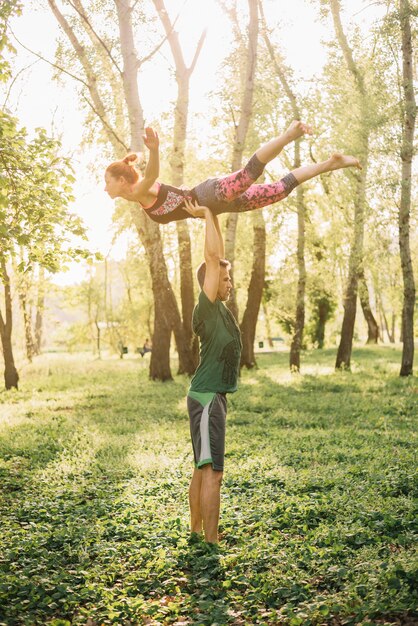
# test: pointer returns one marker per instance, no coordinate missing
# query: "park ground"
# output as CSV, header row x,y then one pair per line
x,y
317,520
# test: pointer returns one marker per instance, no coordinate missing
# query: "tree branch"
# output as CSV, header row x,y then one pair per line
x,y
80,80
278,66
91,84
14,80
169,29
61,69
77,6
198,50
347,52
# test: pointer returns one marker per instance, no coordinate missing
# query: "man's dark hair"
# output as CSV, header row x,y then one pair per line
x,y
201,270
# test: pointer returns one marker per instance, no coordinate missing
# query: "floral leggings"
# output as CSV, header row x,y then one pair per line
x,y
241,194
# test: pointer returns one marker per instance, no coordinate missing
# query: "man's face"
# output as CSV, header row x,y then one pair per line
x,y
225,284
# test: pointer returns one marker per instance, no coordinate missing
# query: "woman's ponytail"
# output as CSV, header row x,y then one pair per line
x,y
126,167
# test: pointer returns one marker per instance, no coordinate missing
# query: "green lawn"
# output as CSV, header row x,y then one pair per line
x,y
318,512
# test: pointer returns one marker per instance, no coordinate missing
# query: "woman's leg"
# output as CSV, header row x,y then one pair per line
x,y
230,187
272,148
258,196
336,161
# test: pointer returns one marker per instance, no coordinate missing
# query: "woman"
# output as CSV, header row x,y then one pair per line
x,y
234,193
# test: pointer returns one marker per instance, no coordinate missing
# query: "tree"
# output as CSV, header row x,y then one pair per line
x,y
247,49
297,339
373,332
35,194
408,129
241,128
40,307
183,75
343,360
122,82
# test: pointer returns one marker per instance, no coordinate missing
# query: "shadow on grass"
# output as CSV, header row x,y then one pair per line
x,y
68,533
89,533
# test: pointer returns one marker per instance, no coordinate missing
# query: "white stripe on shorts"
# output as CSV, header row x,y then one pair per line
x,y
205,453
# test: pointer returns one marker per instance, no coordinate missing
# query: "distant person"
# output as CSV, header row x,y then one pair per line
x,y
234,193
215,376
147,347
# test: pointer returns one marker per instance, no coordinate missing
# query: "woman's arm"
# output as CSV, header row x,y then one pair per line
x,y
152,169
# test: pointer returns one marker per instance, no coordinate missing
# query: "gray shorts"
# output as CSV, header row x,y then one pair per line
x,y
207,430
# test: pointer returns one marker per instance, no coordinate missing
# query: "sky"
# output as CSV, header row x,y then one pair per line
x,y
39,101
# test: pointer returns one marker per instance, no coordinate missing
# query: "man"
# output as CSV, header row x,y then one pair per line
x,y
215,376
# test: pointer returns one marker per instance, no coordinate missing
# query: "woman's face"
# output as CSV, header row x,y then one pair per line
x,y
114,185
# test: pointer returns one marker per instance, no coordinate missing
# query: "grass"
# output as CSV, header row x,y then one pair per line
x,y
318,503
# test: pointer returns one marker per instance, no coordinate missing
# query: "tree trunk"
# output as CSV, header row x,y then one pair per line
x,y
183,75
241,130
392,331
297,339
189,365
255,291
385,320
323,312
150,236
23,284
343,360
149,231
345,347
268,325
11,376
98,339
166,314
27,322
408,130
40,307
373,333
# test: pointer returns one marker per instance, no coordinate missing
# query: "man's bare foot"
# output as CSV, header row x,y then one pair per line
x,y
338,161
298,129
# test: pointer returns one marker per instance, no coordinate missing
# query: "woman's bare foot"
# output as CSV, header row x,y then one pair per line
x,y
338,161
272,148
298,129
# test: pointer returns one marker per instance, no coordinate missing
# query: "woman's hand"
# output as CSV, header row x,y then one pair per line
x,y
151,139
195,210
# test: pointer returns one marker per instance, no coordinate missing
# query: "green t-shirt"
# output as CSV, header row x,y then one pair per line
x,y
220,347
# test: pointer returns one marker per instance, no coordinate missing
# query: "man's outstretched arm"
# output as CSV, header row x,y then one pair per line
x,y
214,248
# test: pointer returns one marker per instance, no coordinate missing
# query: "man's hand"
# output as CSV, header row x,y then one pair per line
x,y
151,139
195,210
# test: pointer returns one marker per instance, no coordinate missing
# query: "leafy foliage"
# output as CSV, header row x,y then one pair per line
x,y
35,192
7,11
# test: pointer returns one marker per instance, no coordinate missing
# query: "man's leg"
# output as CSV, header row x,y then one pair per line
x,y
210,500
194,502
